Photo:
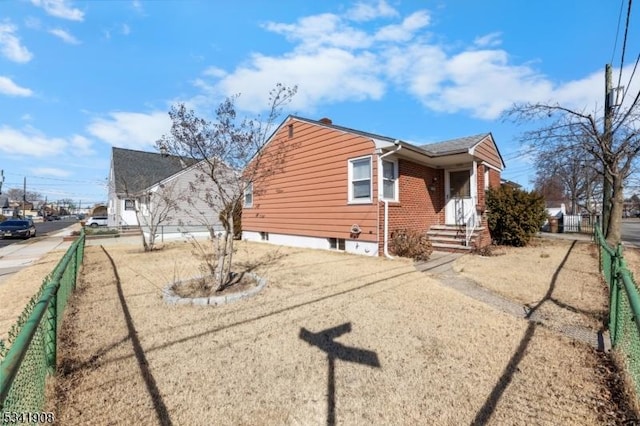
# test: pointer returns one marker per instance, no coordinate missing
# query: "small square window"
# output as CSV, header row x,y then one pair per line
x,y
129,204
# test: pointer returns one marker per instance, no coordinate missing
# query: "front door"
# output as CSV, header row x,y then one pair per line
x,y
458,196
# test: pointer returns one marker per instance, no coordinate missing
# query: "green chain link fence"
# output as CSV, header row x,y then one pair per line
x,y
624,307
31,354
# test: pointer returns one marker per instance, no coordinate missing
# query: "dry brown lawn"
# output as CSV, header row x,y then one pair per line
x,y
417,352
19,288
559,277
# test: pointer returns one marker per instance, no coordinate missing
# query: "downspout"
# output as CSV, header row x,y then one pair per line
x,y
386,203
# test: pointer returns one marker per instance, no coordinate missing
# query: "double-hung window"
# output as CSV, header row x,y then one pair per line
x,y
248,195
390,180
360,180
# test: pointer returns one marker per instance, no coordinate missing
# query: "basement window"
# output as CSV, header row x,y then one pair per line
x,y
264,236
336,244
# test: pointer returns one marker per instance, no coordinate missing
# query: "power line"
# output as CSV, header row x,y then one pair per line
x,y
100,181
624,93
615,43
624,42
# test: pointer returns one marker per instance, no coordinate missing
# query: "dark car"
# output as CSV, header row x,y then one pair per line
x,y
17,228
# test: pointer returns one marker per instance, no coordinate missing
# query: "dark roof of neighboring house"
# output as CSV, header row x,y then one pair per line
x,y
136,170
510,183
452,146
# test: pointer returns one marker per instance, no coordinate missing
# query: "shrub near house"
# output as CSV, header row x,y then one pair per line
x,y
514,215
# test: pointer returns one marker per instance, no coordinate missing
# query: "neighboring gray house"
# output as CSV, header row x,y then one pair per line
x,y
140,181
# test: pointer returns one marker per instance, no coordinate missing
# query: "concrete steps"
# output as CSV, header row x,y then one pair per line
x,y
451,238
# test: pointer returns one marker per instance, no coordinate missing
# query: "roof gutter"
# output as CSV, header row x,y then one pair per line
x,y
386,203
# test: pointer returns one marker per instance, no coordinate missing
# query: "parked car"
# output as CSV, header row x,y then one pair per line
x,y
17,228
95,221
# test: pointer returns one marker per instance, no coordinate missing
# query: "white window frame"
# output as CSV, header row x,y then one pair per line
x,y
395,178
486,177
248,190
352,200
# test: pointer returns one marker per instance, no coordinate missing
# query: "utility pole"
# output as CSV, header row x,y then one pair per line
x,y
608,139
24,196
1,180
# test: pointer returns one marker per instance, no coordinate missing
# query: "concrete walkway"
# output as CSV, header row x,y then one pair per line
x,y
440,267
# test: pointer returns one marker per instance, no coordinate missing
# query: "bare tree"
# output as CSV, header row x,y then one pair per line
x,y
614,152
16,194
230,157
156,208
572,178
153,207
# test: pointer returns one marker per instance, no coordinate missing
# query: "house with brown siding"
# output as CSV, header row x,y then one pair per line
x,y
345,189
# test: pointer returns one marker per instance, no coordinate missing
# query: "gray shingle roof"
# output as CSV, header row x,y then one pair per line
x,y
453,146
137,170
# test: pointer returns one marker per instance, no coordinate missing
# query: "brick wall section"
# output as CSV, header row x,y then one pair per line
x,y
484,239
418,208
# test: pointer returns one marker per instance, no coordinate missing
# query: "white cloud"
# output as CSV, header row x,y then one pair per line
x,y
137,5
367,11
335,58
125,29
321,30
50,171
60,9
488,40
131,129
81,146
329,75
214,72
484,83
8,87
64,36
29,142
10,45
406,30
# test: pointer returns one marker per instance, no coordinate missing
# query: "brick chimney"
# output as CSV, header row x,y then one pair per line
x,y
326,120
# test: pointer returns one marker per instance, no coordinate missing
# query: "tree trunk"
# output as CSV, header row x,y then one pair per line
x,y
222,255
613,234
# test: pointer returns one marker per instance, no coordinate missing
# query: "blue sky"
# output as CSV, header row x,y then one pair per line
x,y
78,77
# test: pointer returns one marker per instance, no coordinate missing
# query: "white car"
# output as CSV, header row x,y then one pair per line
x,y
95,221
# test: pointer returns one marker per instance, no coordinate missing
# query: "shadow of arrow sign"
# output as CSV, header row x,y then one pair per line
x,y
324,340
